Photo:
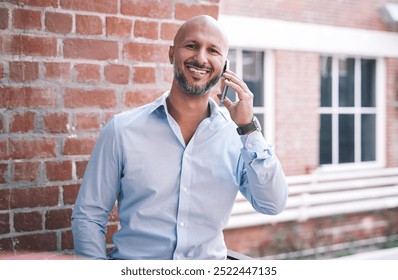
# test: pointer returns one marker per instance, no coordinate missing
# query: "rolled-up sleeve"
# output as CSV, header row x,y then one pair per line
x,y
263,181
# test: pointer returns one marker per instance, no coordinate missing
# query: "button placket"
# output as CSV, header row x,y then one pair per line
x,y
183,204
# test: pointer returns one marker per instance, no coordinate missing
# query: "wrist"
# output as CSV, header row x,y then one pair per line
x,y
254,125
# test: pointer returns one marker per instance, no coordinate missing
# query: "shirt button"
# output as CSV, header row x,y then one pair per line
x,y
249,146
185,189
182,224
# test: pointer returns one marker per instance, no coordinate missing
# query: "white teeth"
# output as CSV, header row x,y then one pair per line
x,y
197,71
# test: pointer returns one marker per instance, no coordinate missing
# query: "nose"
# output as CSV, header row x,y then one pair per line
x,y
201,56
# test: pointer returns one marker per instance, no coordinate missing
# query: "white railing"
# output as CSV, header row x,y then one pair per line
x,y
321,195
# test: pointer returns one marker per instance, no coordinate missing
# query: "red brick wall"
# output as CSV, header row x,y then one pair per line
x,y
297,236
297,75
392,112
297,118
348,13
66,66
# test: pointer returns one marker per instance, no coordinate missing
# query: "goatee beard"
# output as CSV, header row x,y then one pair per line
x,y
190,89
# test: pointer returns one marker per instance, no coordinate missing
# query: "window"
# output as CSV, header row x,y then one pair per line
x,y
250,65
349,112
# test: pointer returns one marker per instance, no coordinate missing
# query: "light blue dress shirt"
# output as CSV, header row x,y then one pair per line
x,y
174,200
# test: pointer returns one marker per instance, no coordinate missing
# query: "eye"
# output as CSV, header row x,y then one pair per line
x,y
214,51
191,46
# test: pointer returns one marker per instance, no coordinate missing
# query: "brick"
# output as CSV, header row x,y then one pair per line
x,y
28,221
90,49
150,8
4,154
80,98
81,168
57,70
34,197
118,27
56,122
87,122
2,74
5,197
110,114
26,19
140,97
4,223
36,242
87,73
146,52
109,6
59,170
167,74
144,75
6,244
67,240
78,146
117,74
70,193
24,71
14,97
88,25
56,219
168,30
26,171
3,173
35,3
22,122
4,18
58,22
185,11
28,45
32,148
1,123
146,29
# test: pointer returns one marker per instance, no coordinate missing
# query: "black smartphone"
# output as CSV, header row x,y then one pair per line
x,y
225,89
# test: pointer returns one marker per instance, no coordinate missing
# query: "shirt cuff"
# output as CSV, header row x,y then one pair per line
x,y
255,146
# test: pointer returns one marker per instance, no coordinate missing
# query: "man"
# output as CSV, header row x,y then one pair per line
x,y
175,166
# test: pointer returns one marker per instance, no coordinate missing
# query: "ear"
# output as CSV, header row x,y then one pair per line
x,y
171,54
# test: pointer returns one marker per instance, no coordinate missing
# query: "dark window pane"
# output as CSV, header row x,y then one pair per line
x,y
325,143
368,137
346,82
346,138
253,75
326,81
368,82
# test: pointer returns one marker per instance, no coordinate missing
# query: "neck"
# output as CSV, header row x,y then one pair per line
x,y
182,106
188,111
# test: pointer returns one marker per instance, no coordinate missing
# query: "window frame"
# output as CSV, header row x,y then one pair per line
x,y
379,110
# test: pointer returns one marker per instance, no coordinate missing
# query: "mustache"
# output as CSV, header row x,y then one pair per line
x,y
196,64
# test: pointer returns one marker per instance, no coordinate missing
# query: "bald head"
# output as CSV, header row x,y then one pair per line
x,y
206,24
199,54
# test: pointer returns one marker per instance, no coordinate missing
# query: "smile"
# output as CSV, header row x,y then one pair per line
x,y
197,71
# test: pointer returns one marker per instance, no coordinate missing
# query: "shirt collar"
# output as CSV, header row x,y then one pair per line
x,y
161,102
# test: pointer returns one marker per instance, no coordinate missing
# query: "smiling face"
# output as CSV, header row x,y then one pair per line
x,y
198,55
